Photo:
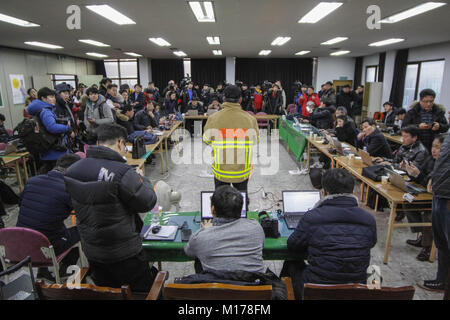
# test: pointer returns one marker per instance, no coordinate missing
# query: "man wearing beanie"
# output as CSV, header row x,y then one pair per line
x,y
232,133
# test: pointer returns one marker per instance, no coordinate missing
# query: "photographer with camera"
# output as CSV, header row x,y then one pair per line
x,y
187,95
246,103
273,101
283,95
343,257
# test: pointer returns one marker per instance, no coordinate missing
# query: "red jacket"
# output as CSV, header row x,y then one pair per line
x,y
304,100
257,101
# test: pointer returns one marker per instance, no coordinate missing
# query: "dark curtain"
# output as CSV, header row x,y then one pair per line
x,y
100,67
209,71
381,63
164,70
254,71
398,81
358,72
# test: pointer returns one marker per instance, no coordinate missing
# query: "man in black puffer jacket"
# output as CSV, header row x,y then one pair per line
x,y
336,236
107,195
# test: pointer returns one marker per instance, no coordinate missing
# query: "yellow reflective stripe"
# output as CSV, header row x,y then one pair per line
x,y
232,172
218,174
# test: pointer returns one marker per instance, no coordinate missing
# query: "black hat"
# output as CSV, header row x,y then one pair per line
x,y
2,117
62,87
232,92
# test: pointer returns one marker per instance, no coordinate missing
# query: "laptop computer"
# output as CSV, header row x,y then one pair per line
x,y
398,181
192,112
296,204
339,148
365,157
205,205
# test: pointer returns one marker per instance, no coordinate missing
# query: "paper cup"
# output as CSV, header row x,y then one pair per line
x,y
384,179
351,156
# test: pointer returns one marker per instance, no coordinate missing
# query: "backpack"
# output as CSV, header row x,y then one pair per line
x,y
36,138
139,147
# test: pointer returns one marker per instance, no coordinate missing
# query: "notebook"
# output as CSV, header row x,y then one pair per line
x,y
167,233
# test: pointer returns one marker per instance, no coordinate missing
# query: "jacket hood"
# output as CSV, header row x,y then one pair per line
x,y
101,152
37,105
435,109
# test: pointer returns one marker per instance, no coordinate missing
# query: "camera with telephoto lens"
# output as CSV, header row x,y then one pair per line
x,y
269,225
266,85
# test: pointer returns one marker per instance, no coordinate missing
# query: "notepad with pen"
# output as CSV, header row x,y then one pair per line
x,y
166,233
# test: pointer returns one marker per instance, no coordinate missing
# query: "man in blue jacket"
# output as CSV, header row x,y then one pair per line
x,y
44,108
336,237
45,204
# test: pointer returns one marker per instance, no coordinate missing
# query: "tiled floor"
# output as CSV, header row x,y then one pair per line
x,y
402,269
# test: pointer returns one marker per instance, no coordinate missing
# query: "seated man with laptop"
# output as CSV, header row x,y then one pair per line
x,y
228,241
335,236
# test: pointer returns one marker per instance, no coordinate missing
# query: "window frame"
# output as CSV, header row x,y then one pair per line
x,y
120,78
376,73
75,78
419,69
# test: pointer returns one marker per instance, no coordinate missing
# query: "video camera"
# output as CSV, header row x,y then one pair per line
x,y
266,85
183,82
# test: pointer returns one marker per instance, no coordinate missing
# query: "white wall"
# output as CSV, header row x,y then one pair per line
x,y
332,68
230,69
429,52
31,63
144,72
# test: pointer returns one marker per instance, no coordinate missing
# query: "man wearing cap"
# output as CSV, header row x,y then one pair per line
x,y
232,133
63,107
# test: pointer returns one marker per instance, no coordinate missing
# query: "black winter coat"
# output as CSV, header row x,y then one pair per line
x,y
322,118
345,100
347,133
415,153
142,120
107,195
441,172
45,204
337,236
377,145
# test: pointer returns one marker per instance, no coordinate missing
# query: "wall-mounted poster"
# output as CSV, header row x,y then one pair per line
x,y
18,88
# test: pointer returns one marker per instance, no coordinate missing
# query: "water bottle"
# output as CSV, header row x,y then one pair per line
x,y
156,215
365,149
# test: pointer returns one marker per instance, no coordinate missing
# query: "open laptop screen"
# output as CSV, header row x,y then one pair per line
x,y
299,201
206,205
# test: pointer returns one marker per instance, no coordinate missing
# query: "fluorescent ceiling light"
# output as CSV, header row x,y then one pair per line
x,y
213,40
203,16
280,41
111,14
320,11
160,42
98,55
217,52
264,52
386,42
180,53
334,40
339,53
94,43
16,21
43,45
133,54
421,8
300,53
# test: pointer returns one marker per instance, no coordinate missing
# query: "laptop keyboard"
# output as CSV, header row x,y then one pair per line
x,y
292,220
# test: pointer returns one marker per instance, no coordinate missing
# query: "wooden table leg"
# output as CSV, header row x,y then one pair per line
x,y
19,176
166,141
161,153
389,232
376,202
367,195
362,191
159,266
433,252
309,155
25,168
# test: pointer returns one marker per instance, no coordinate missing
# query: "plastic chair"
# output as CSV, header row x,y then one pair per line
x,y
355,291
10,132
292,108
17,243
91,292
262,122
21,288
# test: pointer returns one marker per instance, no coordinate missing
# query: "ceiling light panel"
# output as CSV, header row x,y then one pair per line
x,y
203,11
300,53
160,42
213,40
264,52
339,53
111,14
95,54
280,41
334,40
94,43
17,21
43,45
422,8
386,42
319,12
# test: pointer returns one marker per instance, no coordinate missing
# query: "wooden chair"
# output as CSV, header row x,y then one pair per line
x,y
91,292
355,292
221,291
